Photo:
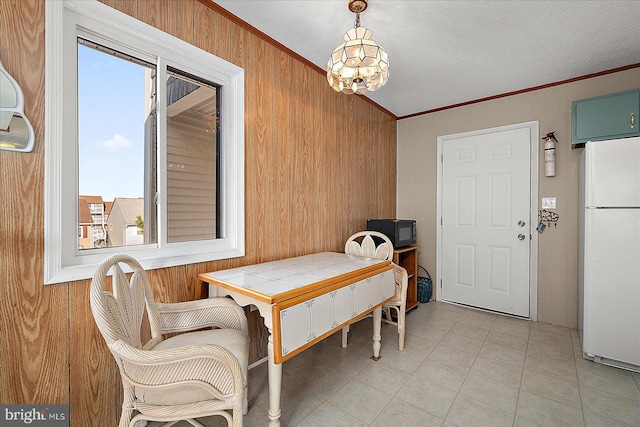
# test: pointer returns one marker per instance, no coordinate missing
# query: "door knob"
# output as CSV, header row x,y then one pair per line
x,y
521,223
521,236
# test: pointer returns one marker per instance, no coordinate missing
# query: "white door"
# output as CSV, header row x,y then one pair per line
x,y
486,210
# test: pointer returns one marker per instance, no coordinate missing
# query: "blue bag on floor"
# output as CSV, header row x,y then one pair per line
x,y
425,286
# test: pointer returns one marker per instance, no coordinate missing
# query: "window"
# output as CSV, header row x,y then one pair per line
x,y
150,131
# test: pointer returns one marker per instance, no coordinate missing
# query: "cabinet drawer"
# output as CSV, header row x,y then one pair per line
x,y
606,117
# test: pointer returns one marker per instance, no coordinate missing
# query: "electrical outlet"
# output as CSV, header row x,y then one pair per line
x,y
548,203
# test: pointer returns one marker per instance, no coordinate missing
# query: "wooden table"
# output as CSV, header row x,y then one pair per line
x,y
304,300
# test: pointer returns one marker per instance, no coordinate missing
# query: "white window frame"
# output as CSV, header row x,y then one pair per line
x,y
65,20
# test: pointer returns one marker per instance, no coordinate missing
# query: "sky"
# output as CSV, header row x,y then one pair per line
x,y
111,125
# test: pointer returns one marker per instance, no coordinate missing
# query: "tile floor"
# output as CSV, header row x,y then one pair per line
x,y
460,367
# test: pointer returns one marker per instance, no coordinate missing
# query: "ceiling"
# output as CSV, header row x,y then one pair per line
x,y
443,53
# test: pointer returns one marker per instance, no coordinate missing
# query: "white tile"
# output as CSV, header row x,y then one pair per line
x,y
383,377
550,338
256,417
593,420
453,357
420,312
360,400
491,392
467,412
424,331
551,387
430,382
507,340
548,412
546,327
549,350
523,422
476,332
437,322
611,406
451,307
500,353
321,380
560,368
400,414
462,343
295,323
517,327
512,328
512,320
427,396
419,345
407,360
497,371
305,403
330,415
446,315
478,318
443,375
609,379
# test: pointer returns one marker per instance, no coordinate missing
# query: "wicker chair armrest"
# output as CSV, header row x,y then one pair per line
x,y
191,315
197,362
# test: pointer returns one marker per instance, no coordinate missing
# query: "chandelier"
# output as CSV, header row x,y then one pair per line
x,y
359,65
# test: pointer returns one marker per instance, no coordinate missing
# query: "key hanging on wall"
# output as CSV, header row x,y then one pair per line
x,y
548,217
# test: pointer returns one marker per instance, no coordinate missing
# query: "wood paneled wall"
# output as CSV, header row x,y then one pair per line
x,y
318,163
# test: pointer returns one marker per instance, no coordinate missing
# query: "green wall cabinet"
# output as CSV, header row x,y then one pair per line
x,y
605,117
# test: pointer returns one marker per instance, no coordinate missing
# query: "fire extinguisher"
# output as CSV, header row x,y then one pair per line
x,y
550,154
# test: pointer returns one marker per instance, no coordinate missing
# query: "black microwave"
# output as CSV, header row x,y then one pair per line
x,y
401,232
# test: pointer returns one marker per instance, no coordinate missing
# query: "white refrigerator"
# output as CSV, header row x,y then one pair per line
x,y
609,277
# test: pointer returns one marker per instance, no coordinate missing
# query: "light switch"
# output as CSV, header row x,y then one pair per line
x,y
548,203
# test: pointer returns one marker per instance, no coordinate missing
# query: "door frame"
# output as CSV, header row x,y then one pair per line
x,y
533,169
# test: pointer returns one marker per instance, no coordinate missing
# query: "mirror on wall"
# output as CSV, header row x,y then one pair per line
x,y
16,132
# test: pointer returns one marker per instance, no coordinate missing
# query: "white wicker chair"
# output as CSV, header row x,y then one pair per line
x,y
197,372
363,244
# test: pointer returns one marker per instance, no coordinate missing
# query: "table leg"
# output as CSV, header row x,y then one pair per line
x,y
275,386
377,322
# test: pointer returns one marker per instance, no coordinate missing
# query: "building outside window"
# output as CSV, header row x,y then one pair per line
x,y
158,137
